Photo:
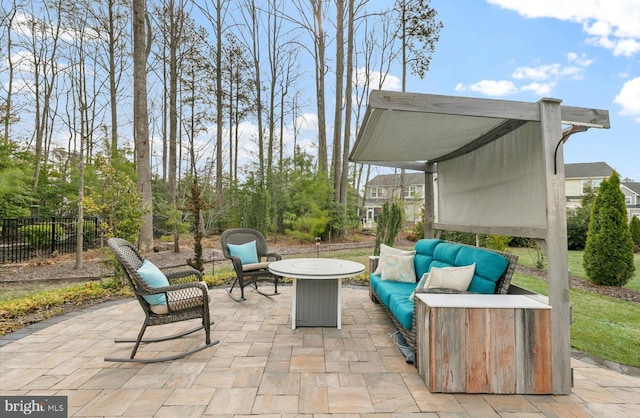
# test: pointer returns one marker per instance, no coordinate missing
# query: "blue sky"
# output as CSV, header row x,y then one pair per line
x,y
579,51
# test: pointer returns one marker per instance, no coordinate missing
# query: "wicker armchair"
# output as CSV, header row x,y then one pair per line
x,y
252,273
186,297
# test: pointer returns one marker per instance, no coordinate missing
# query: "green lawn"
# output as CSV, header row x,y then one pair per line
x,y
527,257
602,326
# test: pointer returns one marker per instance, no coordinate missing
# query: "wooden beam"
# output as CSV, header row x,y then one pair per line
x,y
580,116
453,105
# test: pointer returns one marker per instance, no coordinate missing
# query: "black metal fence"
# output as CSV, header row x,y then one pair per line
x,y
25,238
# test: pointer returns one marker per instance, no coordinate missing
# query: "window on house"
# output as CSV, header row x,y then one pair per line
x,y
411,191
590,183
375,192
628,200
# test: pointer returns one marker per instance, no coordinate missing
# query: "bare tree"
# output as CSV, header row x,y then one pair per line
x,y
141,45
313,22
111,18
6,22
336,159
251,17
44,36
348,94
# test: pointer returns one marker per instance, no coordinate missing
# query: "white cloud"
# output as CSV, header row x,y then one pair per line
x,y
629,98
540,80
580,60
540,89
490,87
377,80
307,121
611,24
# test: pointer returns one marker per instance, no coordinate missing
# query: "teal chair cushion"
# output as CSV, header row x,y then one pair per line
x,y
154,278
247,253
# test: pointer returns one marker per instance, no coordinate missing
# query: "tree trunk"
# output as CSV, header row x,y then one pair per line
x,y
319,46
219,109
344,184
336,159
141,122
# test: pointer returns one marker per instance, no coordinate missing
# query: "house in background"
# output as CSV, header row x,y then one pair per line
x,y
578,177
631,192
387,187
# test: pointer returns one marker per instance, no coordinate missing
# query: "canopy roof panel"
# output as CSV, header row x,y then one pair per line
x,y
409,130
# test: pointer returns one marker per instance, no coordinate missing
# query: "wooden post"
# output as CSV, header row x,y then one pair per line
x,y
429,207
556,243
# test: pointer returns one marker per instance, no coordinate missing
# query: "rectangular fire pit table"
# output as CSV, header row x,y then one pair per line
x,y
317,284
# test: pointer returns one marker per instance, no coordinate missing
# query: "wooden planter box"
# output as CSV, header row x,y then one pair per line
x,y
470,343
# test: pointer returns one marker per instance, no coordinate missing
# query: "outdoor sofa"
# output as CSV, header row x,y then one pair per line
x,y
491,274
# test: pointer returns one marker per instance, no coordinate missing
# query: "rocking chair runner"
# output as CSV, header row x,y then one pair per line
x,y
247,249
185,297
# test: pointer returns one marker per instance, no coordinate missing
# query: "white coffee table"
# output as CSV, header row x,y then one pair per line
x,y
317,284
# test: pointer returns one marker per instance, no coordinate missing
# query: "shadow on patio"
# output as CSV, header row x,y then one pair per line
x,y
262,366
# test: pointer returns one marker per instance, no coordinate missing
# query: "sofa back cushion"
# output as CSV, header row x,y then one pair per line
x,y
490,266
424,255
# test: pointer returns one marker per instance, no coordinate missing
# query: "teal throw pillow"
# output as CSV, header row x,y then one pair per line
x,y
247,253
154,278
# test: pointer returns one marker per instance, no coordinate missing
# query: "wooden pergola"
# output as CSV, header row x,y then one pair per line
x,y
500,170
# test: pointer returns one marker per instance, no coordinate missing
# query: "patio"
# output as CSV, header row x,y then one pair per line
x,y
263,367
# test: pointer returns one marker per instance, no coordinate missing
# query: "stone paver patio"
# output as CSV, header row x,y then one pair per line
x,y
262,367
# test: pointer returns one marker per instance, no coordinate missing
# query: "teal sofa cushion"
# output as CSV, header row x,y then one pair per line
x,y
402,308
387,288
424,255
489,268
374,280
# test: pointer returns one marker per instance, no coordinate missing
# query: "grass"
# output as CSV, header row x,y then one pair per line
x,y
527,257
602,326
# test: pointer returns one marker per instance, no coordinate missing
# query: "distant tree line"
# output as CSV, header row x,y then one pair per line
x,y
101,116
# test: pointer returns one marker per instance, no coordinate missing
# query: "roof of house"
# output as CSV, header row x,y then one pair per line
x,y
634,186
587,170
394,179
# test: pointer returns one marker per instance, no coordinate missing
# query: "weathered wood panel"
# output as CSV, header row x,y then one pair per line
x,y
423,353
477,351
448,341
502,361
533,351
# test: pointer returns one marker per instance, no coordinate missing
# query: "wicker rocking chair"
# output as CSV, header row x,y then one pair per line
x,y
249,272
185,297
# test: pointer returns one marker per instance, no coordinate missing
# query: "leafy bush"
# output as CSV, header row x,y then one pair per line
x,y
41,235
389,224
608,255
496,242
634,227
